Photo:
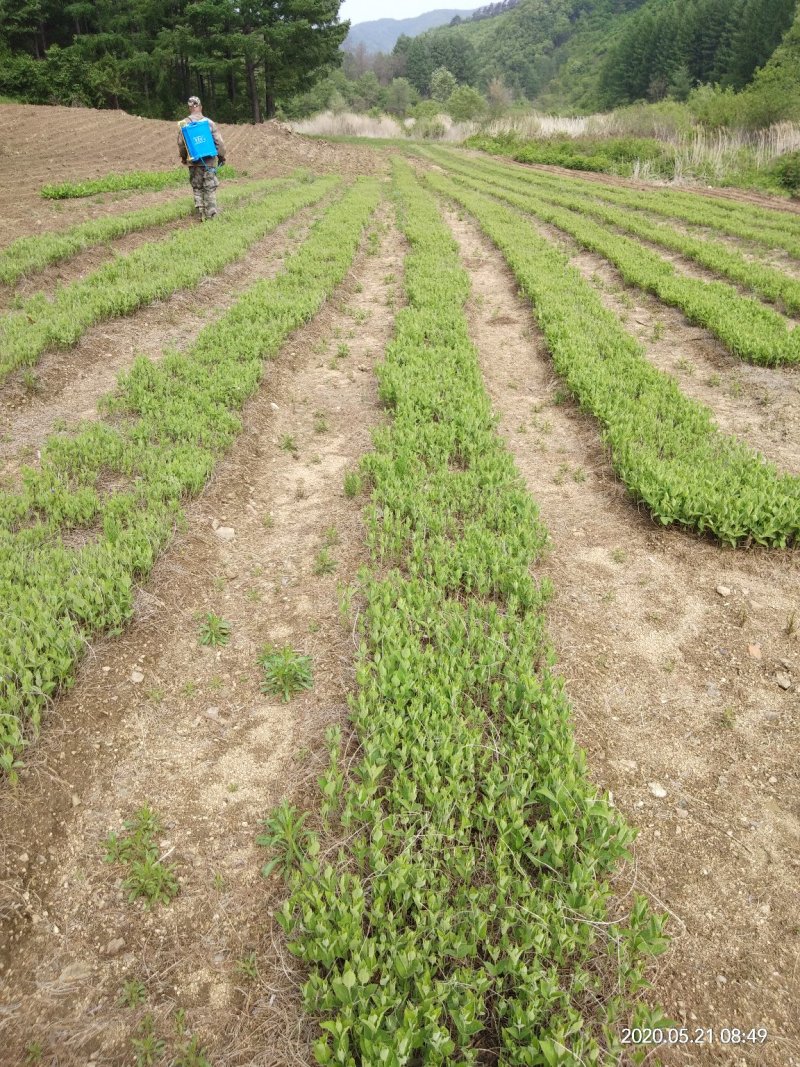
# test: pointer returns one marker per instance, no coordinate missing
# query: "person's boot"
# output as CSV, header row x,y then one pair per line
x,y
198,211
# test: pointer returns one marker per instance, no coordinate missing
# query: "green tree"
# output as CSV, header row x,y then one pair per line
x,y
443,84
466,104
400,97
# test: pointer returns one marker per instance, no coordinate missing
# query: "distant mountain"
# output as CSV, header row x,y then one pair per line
x,y
381,35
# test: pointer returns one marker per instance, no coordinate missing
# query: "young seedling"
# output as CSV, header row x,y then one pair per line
x,y
352,483
324,563
192,1055
286,671
321,424
214,630
288,444
137,849
133,994
247,967
287,836
147,1046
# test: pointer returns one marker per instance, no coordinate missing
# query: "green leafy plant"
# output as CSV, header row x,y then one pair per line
x,y
34,1051
148,1047
324,563
286,671
247,967
353,483
113,183
214,630
137,850
665,446
287,836
133,993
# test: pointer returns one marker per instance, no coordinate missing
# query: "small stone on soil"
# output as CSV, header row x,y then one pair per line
x,y
657,789
723,590
113,948
136,677
783,680
754,651
225,533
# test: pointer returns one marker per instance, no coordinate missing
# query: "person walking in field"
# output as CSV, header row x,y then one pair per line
x,y
201,147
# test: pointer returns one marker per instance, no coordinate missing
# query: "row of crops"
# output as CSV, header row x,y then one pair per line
x,y
468,912
164,428
663,445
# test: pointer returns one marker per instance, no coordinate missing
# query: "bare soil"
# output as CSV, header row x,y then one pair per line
x,y
673,685
157,718
106,142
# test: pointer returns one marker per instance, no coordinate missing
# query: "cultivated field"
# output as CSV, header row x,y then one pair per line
x,y
399,610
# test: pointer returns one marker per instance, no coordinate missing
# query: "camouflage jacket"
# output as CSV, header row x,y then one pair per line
x,y
214,131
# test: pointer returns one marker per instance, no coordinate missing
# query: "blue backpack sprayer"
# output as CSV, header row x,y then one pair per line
x,y
199,142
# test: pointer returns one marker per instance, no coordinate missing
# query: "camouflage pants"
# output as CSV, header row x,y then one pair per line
x,y
204,186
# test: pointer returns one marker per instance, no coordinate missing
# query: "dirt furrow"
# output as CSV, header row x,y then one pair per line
x,y
760,405
674,651
155,717
68,383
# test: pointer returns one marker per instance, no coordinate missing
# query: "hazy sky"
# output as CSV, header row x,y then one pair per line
x,y
369,10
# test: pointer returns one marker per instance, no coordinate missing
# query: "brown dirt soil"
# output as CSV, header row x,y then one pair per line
x,y
155,717
106,142
673,686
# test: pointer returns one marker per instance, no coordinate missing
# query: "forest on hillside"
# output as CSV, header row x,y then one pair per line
x,y
148,56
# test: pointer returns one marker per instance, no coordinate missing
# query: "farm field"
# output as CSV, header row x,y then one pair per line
x,y
424,532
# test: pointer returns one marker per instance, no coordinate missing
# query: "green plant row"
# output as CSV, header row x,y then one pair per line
x,y
91,519
768,282
664,446
115,183
746,327
763,226
151,272
466,920
28,255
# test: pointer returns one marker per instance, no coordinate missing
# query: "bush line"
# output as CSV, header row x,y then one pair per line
x,y
28,255
743,324
468,912
169,424
115,183
664,446
769,282
152,272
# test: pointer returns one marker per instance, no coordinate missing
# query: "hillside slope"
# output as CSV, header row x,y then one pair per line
x,y
594,54
380,35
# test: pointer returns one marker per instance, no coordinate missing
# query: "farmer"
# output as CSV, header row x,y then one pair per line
x,y
202,168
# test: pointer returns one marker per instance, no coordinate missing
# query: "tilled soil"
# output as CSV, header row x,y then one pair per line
x,y
670,646
112,142
157,718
